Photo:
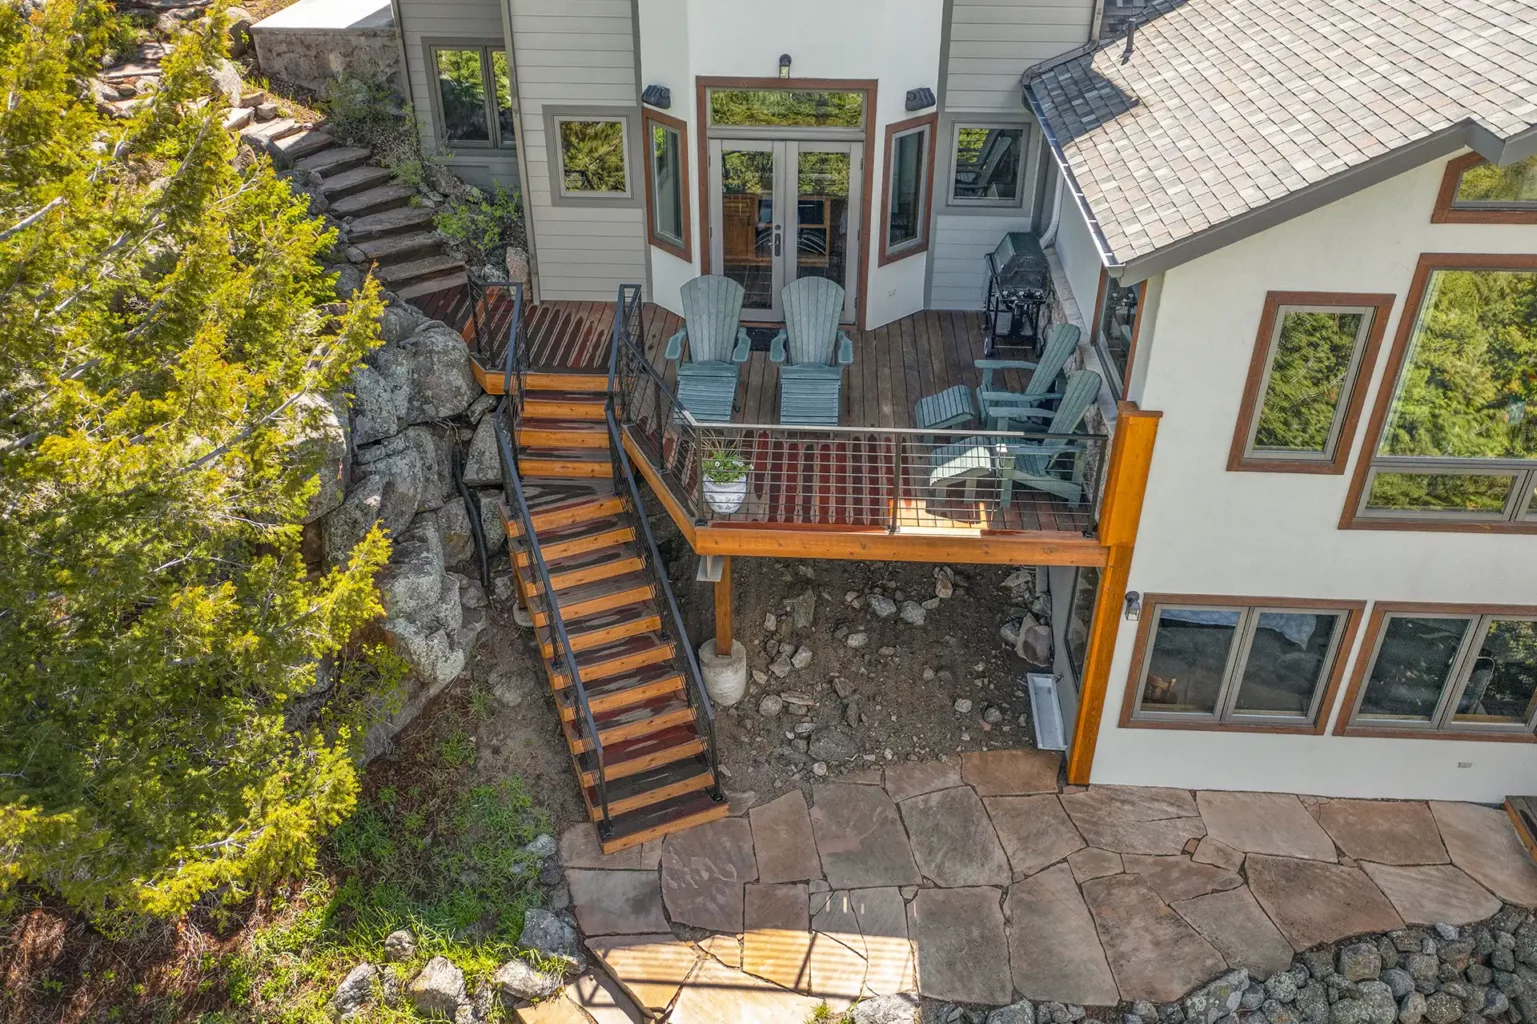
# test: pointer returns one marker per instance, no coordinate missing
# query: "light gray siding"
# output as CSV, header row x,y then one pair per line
x,y
570,54
462,21
992,41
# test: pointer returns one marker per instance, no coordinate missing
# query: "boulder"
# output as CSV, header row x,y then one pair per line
x,y
434,656
1360,961
411,585
491,519
438,989
483,464
396,323
448,613
348,278
516,981
321,439
435,452
442,385
348,523
239,30
551,936
380,390
226,79
399,945
893,1009
355,991
454,529
402,478
1015,1013
1035,645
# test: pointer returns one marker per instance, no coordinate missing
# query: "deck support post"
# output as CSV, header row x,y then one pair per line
x,y
723,661
1131,453
723,609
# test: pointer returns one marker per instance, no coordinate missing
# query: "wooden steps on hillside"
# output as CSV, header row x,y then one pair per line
x,y
649,788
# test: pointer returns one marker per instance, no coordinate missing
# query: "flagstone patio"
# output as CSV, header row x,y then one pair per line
x,y
976,881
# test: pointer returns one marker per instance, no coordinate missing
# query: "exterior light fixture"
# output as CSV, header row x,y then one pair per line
x,y
658,96
1133,605
784,65
919,99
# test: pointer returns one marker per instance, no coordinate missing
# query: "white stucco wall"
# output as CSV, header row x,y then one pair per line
x,y
1207,531
895,42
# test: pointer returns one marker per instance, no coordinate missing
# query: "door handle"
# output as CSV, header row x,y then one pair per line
x,y
778,239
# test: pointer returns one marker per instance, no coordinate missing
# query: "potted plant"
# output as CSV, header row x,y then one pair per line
x,y
725,475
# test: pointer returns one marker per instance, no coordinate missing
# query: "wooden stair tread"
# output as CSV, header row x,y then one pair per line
x,y
631,722
658,785
615,658
568,381
597,597
558,516
660,819
600,630
651,683
585,568
641,753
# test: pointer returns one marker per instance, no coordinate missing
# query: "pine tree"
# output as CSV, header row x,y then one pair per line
x,y
167,335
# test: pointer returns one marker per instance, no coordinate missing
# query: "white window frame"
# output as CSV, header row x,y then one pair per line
x,y
627,119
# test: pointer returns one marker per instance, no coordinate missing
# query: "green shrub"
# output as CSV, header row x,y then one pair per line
x,y
476,224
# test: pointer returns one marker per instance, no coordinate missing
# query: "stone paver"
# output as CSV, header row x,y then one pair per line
x,y
1236,926
1273,823
1132,819
650,968
579,849
616,902
717,994
1035,831
1179,878
1313,902
1213,851
962,948
703,871
555,1010
860,838
777,942
915,778
1431,893
1383,831
1011,772
725,948
1092,863
1152,952
603,999
1054,951
882,917
837,972
781,833
953,840
1483,842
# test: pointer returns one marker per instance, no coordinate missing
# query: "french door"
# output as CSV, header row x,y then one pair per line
x,y
785,209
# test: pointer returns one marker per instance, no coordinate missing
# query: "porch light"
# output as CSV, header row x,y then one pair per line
x,y
1133,605
920,99
784,65
658,96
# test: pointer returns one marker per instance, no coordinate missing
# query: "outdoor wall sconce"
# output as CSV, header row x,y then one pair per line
x,y
1133,605
784,65
918,99
658,96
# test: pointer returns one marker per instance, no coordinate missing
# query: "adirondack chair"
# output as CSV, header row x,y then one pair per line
x,y
810,383
717,347
999,406
1054,465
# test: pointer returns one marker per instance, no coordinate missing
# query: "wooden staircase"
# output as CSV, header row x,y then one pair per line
x,y
601,583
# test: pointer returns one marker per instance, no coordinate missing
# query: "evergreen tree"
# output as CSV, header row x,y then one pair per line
x,y
167,333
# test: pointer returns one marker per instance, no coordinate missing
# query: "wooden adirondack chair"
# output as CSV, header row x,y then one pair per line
x,y
1054,465
810,383
717,347
998,406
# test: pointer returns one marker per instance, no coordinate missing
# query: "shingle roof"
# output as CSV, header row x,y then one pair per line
x,y
1228,105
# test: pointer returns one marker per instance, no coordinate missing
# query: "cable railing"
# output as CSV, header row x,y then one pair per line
x,y
505,419
852,477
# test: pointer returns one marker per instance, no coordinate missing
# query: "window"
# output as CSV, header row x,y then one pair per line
x,y
1475,191
667,214
988,166
593,156
1306,385
1115,328
772,108
1448,670
905,200
1237,662
474,96
1080,619
1452,440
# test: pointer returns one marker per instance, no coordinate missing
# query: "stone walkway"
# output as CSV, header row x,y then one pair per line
x,y
975,881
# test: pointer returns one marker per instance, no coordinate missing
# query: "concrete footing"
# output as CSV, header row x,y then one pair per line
x,y
522,616
725,676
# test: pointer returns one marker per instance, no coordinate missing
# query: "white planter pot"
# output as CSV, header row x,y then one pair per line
x,y
726,498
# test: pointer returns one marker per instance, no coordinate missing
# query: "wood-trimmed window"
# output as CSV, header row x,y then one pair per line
x,y
908,187
667,195
1445,672
1451,444
1117,323
1238,663
472,95
1307,381
1474,191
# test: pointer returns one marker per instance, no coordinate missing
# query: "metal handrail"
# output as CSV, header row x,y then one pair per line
x,y
516,360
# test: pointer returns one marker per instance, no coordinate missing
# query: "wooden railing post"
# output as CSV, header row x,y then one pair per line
x,y
1131,454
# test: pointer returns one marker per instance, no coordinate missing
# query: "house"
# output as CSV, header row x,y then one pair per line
x,y
1287,540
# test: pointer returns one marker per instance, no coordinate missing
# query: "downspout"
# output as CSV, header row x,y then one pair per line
x,y
1056,210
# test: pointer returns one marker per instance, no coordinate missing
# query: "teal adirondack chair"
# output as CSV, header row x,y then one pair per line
x,y
1054,465
718,345
999,406
810,383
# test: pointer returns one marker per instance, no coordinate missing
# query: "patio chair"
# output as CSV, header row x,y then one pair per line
x,y
717,346
810,381
1055,464
999,406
